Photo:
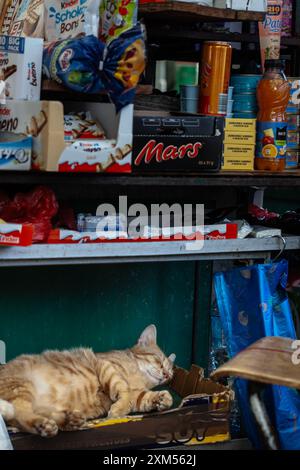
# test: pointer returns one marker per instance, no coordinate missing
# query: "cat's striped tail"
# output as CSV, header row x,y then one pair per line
x,y
6,410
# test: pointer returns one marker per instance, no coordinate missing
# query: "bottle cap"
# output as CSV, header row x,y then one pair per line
x,y
275,63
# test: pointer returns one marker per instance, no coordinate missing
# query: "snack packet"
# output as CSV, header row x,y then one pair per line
x,y
87,65
22,18
270,31
82,126
71,19
116,16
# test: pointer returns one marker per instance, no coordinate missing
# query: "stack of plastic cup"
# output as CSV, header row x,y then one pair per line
x,y
229,112
189,98
244,96
293,130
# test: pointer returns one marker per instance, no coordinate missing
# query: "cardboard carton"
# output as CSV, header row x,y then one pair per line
x,y
201,417
165,143
44,121
21,67
234,150
240,125
240,138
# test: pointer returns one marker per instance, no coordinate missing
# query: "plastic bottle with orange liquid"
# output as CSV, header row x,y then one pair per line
x,y
273,94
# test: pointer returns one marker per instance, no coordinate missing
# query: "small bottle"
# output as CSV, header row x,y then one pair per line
x,y
273,94
81,222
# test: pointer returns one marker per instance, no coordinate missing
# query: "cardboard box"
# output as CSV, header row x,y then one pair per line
x,y
240,151
16,234
201,417
238,163
44,120
15,151
165,143
240,138
240,125
21,67
210,232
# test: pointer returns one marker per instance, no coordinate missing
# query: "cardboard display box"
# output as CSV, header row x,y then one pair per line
x,y
238,163
240,138
240,151
201,418
165,143
44,120
21,67
240,125
16,234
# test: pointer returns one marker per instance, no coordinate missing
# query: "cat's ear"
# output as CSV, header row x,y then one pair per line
x,y
148,336
172,358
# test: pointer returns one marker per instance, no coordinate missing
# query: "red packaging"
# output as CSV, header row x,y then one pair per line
x,y
16,234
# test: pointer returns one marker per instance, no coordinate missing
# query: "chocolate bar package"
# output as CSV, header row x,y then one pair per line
x,y
66,20
165,143
21,67
22,18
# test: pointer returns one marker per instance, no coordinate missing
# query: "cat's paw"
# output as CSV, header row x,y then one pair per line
x,y
163,400
117,411
45,427
73,420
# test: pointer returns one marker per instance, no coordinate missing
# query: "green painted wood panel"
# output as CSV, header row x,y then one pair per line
x,y
103,307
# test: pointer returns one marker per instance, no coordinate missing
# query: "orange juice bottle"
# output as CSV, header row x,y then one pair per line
x,y
273,94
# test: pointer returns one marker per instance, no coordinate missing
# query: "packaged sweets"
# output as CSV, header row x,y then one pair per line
x,y
22,18
270,31
287,18
82,126
87,65
116,16
70,19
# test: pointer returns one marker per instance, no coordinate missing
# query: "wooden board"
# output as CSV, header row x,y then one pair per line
x,y
268,361
286,179
192,12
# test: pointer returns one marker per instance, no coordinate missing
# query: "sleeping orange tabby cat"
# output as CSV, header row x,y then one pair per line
x,y
56,390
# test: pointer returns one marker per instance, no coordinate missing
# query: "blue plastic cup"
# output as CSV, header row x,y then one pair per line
x,y
190,92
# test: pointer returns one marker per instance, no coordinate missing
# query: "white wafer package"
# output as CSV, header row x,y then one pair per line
x,y
65,19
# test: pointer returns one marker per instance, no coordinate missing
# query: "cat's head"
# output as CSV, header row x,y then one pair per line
x,y
157,367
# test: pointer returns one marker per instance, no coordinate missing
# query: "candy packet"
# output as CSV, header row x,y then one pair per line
x,y
270,32
116,16
71,19
82,126
22,18
88,65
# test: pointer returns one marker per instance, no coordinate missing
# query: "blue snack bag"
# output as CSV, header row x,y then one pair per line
x,y
87,65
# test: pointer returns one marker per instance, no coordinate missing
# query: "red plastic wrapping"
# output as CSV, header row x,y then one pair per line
x,y
37,207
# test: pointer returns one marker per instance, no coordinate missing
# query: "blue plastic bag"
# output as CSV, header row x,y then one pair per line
x,y
253,303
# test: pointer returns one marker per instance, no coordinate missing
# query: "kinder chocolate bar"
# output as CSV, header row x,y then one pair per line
x,y
16,234
82,126
87,65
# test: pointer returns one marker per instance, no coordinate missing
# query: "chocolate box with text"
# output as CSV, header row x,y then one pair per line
x,y
164,143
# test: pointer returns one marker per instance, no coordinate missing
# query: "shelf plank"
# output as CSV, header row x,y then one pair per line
x,y
285,179
135,252
163,32
54,89
192,12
